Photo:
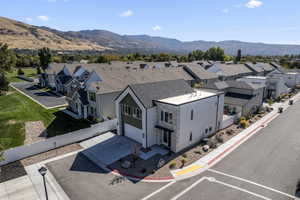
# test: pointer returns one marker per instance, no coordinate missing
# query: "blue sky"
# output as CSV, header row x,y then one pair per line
x,y
271,21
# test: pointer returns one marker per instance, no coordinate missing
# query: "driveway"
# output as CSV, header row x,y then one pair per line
x,y
46,99
82,179
108,148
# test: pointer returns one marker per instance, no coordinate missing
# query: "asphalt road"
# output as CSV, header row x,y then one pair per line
x,y
267,166
45,98
81,179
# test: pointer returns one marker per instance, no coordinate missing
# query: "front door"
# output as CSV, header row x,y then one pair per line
x,y
166,139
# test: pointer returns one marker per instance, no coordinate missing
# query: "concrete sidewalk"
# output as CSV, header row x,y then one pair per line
x,y
19,188
215,156
55,192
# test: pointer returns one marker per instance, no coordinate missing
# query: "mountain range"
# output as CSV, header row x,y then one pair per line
x,y
24,36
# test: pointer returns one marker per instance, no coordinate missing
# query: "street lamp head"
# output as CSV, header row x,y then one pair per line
x,y
43,171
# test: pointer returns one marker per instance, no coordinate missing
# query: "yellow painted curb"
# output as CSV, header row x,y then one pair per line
x,y
187,170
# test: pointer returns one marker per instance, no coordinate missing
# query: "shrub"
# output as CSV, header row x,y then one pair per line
x,y
198,152
242,119
220,138
184,155
243,123
270,102
212,143
229,132
183,161
20,72
172,165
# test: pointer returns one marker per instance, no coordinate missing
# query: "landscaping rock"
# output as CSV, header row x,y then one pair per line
x,y
205,148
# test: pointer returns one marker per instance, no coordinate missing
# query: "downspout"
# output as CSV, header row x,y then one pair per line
x,y
146,128
217,116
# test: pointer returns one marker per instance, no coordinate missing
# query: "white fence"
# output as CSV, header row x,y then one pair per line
x,y
24,151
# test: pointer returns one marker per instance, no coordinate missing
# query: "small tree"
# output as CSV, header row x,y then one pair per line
x,y
20,72
3,82
238,56
38,70
45,57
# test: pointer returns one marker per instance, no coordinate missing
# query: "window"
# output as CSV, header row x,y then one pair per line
x,y
192,114
206,130
210,129
137,113
166,117
191,136
92,96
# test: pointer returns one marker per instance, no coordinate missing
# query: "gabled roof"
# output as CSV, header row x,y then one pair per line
x,y
149,92
223,85
254,67
265,66
220,85
64,78
233,69
198,72
114,80
242,85
278,67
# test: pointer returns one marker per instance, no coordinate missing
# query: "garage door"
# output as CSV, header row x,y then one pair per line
x,y
133,133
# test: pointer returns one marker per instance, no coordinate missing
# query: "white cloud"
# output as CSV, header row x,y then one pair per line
x,y
43,18
225,10
254,4
28,19
127,13
156,28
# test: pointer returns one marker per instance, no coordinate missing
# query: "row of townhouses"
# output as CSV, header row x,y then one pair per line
x,y
167,103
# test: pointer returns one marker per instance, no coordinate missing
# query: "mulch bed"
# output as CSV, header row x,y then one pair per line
x,y
12,171
50,154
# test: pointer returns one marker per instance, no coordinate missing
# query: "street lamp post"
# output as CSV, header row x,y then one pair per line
x,y
43,172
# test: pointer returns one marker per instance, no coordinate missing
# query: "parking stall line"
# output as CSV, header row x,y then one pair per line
x,y
158,191
251,182
240,189
189,188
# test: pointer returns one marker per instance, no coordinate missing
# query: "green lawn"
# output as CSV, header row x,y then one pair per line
x,y
16,109
29,72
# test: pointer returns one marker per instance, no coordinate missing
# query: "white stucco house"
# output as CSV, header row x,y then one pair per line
x,y
168,113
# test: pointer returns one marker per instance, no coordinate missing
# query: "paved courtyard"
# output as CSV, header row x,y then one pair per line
x,y
46,99
81,179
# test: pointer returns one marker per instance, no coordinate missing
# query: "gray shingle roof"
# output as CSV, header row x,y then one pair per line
x,y
254,67
223,85
198,71
114,80
233,69
148,92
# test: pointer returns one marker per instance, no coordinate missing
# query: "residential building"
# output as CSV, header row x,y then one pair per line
x,y
229,71
199,73
168,113
240,97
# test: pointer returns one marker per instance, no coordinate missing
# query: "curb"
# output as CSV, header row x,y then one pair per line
x,y
142,179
